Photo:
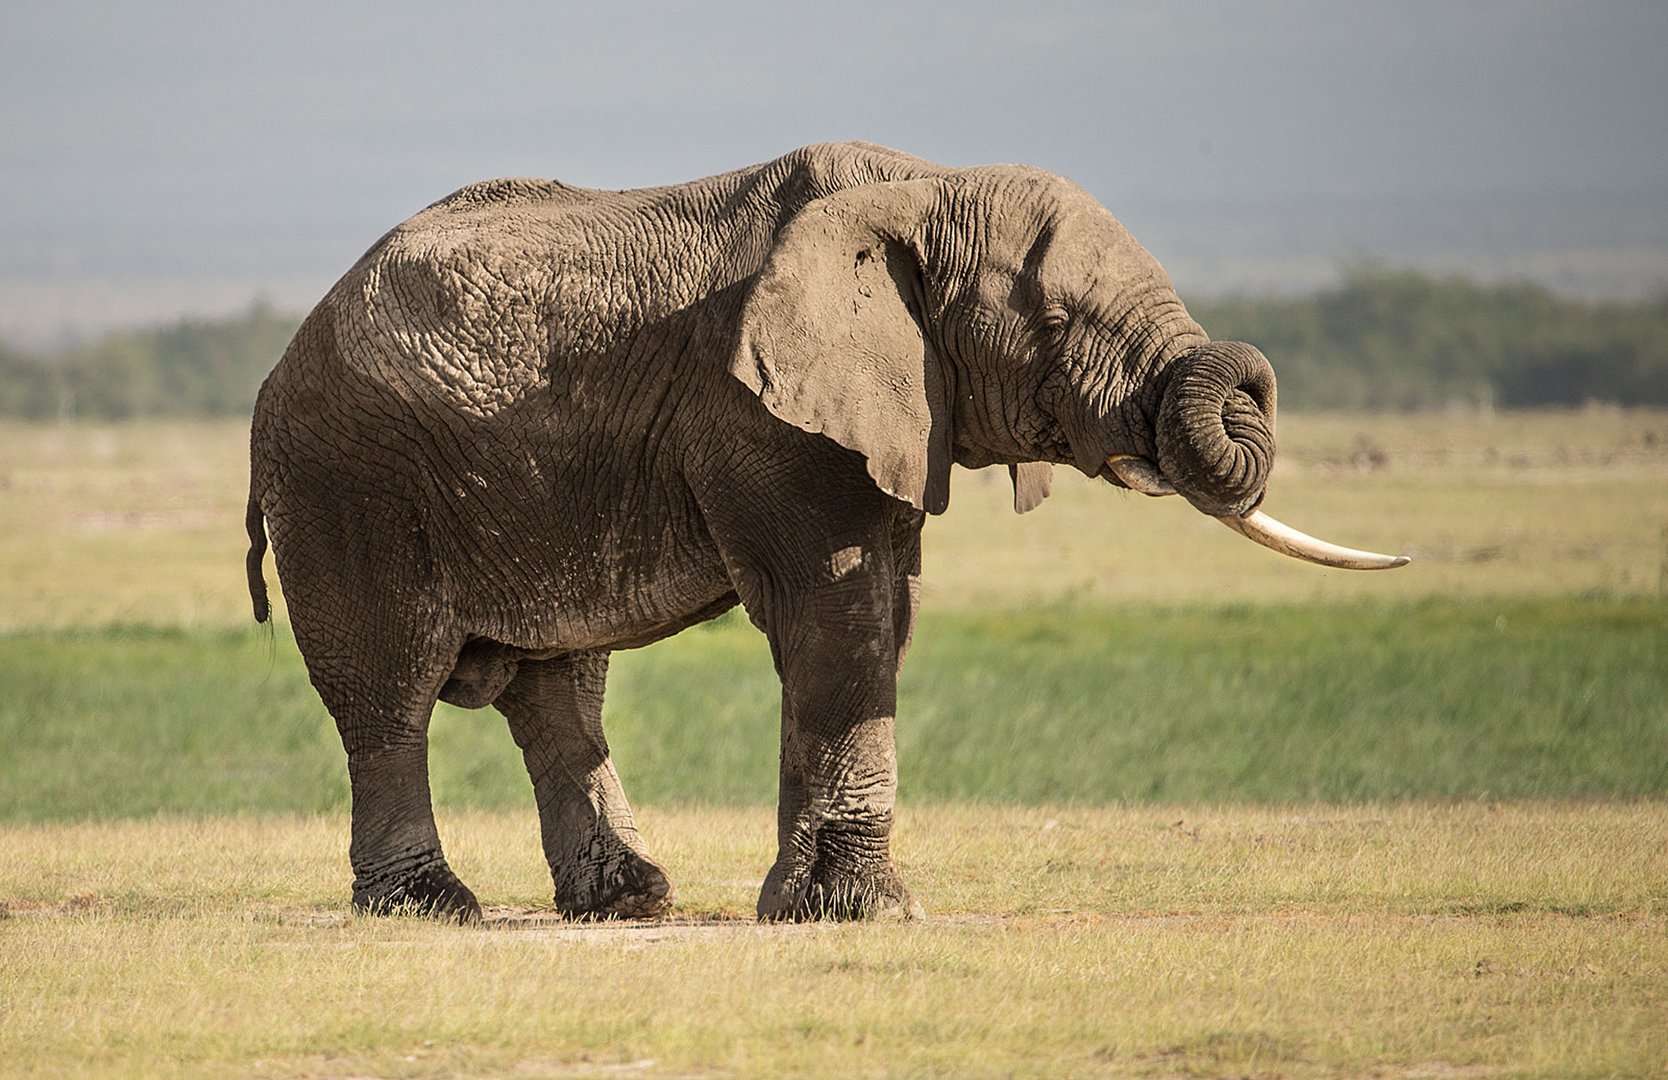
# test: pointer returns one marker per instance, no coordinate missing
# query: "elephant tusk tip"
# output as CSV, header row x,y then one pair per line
x,y
1278,536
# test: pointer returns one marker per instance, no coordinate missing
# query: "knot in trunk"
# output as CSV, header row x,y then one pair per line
x,y
1216,426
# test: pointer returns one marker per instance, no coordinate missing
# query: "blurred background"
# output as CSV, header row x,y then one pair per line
x,y
182,158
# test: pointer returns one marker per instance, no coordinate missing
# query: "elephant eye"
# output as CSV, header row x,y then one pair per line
x,y
1053,322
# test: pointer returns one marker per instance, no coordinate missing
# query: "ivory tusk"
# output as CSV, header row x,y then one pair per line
x,y
1280,537
1139,474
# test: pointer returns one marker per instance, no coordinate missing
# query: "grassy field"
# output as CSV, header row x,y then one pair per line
x,y
1464,940
1359,702
1177,807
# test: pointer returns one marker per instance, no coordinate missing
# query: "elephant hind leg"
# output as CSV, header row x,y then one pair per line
x,y
598,862
381,696
398,865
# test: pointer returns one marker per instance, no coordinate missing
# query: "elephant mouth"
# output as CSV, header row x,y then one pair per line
x,y
1139,474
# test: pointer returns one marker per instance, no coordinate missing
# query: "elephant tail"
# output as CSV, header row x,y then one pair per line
x,y
253,521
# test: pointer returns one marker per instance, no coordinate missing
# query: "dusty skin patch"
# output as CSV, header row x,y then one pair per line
x,y
844,561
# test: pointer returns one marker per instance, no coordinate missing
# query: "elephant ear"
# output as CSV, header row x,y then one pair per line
x,y
831,338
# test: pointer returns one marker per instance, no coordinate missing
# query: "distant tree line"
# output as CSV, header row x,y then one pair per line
x,y
1381,339
1392,339
196,367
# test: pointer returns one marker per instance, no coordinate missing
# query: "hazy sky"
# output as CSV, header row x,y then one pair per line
x,y
269,139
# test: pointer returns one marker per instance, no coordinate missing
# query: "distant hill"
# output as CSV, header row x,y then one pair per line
x,y
1383,338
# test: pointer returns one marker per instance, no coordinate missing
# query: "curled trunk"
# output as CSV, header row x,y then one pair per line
x,y
1215,427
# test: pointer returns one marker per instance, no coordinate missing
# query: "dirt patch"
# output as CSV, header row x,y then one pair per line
x,y
549,923
544,922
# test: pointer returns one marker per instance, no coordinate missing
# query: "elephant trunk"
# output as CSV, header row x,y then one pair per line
x,y
1215,427
1215,435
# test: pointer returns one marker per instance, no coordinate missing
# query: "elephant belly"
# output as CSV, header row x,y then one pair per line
x,y
549,562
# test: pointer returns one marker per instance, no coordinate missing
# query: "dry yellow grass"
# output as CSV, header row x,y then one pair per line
x,y
134,523
1549,503
144,522
1409,940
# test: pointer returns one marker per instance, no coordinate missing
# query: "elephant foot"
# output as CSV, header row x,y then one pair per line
x,y
828,893
432,891
626,886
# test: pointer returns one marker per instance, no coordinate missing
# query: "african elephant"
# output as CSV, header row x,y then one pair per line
x,y
536,423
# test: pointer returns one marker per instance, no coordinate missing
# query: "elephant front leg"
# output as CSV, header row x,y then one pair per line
x,y
597,860
839,773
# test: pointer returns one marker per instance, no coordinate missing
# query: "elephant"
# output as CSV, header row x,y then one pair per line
x,y
537,423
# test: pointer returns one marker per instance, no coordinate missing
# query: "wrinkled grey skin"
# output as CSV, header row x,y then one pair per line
x,y
535,424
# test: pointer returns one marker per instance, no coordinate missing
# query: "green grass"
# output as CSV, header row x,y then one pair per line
x,y
1358,702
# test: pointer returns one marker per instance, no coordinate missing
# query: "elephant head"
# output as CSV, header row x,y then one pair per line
x,y
1001,315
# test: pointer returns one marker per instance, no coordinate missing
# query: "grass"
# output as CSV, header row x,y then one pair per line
x,y
1467,939
1352,703
143,523
139,523
1513,504
1178,807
